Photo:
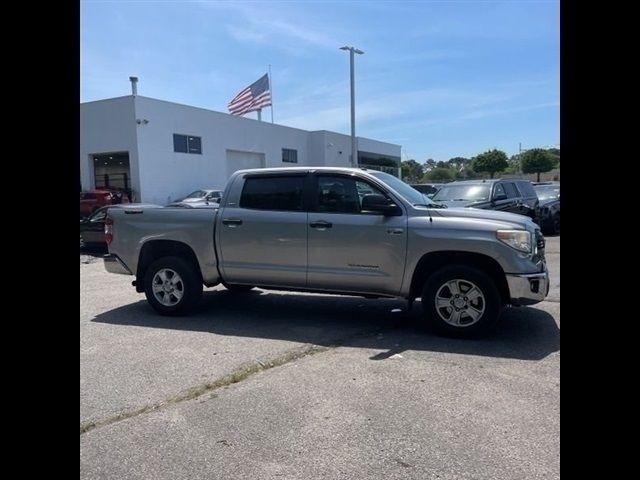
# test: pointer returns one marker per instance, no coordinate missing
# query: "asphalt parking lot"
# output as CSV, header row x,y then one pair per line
x,y
279,385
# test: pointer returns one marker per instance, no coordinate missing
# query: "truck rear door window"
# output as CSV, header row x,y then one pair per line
x,y
273,193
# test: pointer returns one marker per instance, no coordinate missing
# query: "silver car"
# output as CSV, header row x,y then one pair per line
x,y
203,196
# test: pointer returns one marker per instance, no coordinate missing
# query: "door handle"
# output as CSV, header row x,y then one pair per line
x,y
232,222
321,224
395,231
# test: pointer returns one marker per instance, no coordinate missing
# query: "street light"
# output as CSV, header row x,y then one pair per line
x,y
354,158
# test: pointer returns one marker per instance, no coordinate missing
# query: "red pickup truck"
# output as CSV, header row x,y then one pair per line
x,y
94,199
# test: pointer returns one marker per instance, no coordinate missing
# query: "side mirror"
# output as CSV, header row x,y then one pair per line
x,y
380,204
500,196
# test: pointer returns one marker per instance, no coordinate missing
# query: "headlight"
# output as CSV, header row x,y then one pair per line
x,y
518,239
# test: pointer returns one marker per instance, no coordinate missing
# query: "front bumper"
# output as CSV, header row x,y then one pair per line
x,y
527,289
113,264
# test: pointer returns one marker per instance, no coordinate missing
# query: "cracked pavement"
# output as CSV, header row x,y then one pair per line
x,y
273,385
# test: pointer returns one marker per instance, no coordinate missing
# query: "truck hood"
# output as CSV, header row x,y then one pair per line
x,y
520,220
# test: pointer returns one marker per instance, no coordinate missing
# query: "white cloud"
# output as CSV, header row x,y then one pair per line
x,y
327,107
264,23
457,119
245,34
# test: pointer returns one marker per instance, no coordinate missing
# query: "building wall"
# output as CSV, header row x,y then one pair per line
x,y
383,148
337,149
144,127
169,176
108,126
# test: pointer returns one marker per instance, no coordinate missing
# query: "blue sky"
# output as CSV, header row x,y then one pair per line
x,y
440,78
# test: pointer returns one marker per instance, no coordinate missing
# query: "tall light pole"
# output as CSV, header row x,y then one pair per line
x,y
354,153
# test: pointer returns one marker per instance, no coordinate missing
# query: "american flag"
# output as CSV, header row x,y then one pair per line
x,y
252,98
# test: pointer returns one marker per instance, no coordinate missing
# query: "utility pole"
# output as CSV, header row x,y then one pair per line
x,y
354,150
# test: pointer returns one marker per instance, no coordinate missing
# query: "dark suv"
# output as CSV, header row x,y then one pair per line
x,y
515,196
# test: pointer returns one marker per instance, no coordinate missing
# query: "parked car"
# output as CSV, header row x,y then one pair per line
x,y
317,229
429,189
202,196
514,196
549,207
92,200
92,227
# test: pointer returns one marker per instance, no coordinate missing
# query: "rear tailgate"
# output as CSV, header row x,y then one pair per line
x,y
133,227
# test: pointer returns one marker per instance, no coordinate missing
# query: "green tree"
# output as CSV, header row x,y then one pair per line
x,y
463,172
458,162
411,171
439,175
554,153
491,161
537,161
514,165
460,167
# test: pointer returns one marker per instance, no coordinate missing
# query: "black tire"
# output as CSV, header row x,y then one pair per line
x,y
489,304
555,224
190,286
239,288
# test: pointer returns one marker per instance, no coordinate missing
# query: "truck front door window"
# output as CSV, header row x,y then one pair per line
x,y
342,194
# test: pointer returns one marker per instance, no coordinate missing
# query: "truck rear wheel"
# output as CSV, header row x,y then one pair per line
x,y
461,301
172,286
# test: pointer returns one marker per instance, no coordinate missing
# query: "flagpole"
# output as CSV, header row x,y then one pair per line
x,y
259,114
271,88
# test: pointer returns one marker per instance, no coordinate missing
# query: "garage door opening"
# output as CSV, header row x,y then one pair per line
x,y
238,160
112,171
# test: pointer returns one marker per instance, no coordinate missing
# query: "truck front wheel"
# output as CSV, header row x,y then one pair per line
x,y
461,301
172,286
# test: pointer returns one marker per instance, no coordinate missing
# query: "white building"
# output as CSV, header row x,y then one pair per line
x,y
162,150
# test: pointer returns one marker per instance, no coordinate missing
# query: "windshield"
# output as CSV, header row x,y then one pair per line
x,y
548,192
462,192
407,191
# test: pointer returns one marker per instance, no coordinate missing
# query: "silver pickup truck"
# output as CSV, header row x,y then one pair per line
x,y
334,230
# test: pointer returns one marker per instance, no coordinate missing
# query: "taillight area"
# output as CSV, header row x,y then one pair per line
x,y
108,229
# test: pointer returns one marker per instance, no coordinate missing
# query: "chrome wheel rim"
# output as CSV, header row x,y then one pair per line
x,y
460,303
168,287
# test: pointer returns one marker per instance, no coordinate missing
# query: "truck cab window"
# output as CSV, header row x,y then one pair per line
x,y
337,194
273,193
